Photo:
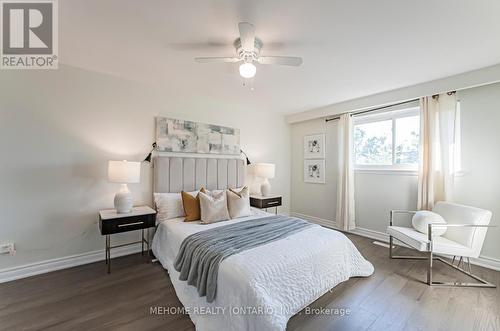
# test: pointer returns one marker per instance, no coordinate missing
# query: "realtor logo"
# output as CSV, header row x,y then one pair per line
x,y
29,34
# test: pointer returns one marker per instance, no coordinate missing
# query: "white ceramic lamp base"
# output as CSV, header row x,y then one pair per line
x,y
123,200
265,188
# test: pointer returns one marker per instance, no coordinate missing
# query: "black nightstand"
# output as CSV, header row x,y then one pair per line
x,y
262,202
110,222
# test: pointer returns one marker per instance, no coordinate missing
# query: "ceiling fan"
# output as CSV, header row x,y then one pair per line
x,y
248,49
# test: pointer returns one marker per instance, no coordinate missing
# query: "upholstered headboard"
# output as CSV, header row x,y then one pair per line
x,y
176,174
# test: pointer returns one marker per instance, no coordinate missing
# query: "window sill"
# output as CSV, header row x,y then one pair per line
x,y
396,172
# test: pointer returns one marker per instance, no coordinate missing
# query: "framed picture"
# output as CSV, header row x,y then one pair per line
x,y
173,135
314,146
314,171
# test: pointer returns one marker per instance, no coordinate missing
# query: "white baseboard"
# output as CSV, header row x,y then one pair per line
x,y
42,267
487,262
482,261
321,221
380,236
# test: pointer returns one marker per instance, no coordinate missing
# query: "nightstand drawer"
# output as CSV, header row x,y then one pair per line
x,y
265,202
139,218
125,224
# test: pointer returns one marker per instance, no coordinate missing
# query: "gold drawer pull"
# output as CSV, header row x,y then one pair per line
x,y
129,224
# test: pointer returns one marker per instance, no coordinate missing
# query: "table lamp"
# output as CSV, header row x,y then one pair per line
x,y
266,171
124,172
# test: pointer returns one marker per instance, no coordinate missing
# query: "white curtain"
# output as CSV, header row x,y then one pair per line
x,y
345,181
439,149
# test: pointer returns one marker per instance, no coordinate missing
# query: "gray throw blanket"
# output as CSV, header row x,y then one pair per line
x,y
201,253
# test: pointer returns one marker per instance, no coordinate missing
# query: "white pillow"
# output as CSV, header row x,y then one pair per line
x,y
169,205
213,207
213,192
238,203
239,189
423,218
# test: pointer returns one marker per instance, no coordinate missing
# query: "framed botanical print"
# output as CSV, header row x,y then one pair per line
x,y
314,146
314,171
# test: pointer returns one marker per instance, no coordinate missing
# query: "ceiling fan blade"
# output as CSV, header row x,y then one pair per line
x,y
247,36
217,59
280,60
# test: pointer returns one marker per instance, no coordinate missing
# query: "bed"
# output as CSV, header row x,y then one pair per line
x,y
260,288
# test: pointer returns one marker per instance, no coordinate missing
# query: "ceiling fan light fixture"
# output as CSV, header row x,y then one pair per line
x,y
248,49
248,70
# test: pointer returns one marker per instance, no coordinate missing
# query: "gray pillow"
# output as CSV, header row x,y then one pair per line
x,y
213,207
238,203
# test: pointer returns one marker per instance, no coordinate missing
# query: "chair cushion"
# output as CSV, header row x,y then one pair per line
x,y
419,241
454,213
423,218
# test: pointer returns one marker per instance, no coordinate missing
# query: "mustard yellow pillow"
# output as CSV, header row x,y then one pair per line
x,y
191,206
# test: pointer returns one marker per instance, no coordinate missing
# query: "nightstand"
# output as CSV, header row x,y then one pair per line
x,y
261,202
110,222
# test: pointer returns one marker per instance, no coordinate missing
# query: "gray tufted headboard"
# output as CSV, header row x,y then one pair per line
x,y
176,174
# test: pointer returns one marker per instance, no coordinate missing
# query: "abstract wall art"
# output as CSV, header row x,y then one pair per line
x,y
174,135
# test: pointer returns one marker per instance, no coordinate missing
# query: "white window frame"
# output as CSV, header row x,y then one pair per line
x,y
384,116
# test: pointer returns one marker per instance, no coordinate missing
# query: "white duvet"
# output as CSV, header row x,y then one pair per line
x,y
261,288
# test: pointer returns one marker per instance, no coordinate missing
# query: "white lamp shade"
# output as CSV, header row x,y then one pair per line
x,y
124,172
264,170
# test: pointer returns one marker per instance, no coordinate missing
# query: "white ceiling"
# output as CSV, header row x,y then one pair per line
x,y
350,48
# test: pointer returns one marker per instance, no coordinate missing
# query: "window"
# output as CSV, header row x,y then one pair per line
x,y
387,141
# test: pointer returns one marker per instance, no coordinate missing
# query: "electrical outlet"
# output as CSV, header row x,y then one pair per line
x,y
7,248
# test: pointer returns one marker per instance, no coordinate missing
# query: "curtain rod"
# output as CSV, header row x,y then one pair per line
x,y
370,110
382,107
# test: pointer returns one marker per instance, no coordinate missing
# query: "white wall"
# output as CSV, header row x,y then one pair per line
x,y
480,185
316,200
59,128
376,194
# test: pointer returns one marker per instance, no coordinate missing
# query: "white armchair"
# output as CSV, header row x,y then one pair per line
x,y
464,238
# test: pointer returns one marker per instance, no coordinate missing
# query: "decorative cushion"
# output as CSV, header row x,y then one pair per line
x,y
191,205
423,218
213,192
237,190
213,207
168,206
238,202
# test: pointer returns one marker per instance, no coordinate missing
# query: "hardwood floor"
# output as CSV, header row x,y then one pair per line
x,y
393,298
